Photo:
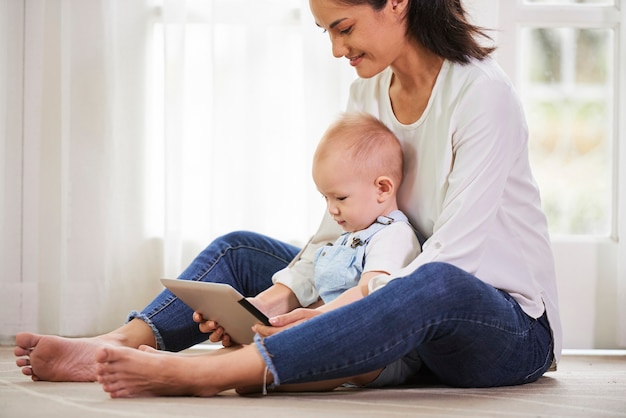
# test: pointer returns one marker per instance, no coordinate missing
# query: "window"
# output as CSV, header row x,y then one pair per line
x,y
562,56
568,61
239,97
568,91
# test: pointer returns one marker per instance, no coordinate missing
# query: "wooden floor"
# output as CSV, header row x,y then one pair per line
x,y
586,385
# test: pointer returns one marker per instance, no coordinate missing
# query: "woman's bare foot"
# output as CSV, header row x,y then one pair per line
x,y
56,359
125,372
59,359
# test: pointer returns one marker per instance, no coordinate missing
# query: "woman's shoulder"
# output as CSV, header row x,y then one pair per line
x,y
485,71
479,81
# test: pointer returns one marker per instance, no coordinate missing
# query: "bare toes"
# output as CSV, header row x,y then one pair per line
x,y
22,362
21,351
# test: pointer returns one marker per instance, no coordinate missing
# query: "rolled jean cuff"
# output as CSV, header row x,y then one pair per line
x,y
267,358
160,344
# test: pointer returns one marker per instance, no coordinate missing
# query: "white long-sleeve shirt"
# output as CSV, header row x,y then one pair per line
x,y
468,188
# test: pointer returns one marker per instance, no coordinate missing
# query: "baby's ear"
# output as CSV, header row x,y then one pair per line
x,y
385,187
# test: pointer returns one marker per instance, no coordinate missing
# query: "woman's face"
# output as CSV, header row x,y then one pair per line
x,y
372,40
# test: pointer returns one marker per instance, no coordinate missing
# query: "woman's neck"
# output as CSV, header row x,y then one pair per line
x,y
414,76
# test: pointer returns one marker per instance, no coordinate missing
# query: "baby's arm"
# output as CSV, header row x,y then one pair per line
x,y
353,294
365,280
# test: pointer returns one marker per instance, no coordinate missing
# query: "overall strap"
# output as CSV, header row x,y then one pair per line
x,y
364,236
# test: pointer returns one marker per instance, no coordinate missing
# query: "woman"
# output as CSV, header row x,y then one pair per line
x,y
478,307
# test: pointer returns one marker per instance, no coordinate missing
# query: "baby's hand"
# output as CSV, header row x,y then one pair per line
x,y
212,327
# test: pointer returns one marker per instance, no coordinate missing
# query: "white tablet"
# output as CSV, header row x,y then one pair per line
x,y
221,303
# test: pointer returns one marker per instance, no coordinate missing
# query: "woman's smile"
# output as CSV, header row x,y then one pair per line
x,y
356,60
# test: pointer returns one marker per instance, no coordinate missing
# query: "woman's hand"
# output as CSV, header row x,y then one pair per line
x,y
208,326
285,321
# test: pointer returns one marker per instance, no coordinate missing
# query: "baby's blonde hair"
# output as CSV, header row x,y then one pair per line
x,y
367,143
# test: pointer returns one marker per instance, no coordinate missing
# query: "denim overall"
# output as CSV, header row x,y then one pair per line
x,y
339,266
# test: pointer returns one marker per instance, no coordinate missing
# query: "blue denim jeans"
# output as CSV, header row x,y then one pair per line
x,y
244,260
467,334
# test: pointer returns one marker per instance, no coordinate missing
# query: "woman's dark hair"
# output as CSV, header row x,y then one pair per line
x,y
441,26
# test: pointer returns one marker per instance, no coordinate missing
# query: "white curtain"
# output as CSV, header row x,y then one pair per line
x,y
135,132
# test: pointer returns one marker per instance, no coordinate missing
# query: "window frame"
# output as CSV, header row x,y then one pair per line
x,y
519,15
606,255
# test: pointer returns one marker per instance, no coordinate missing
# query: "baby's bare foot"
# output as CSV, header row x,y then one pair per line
x,y
57,359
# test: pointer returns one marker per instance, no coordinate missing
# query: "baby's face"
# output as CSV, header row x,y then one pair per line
x,y
351,198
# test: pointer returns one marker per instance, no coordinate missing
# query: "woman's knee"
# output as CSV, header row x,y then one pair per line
x,y
442,284
437,270
254,241
236,238
441,277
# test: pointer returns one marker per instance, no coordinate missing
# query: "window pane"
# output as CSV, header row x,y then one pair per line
x,y
567,89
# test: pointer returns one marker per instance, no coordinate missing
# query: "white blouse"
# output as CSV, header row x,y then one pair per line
x,y
468,188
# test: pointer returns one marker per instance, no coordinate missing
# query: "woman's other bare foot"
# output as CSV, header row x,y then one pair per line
x,y
56,359
59,359
125,372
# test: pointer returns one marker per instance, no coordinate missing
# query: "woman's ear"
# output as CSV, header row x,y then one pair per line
x,y
398,5
386,188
